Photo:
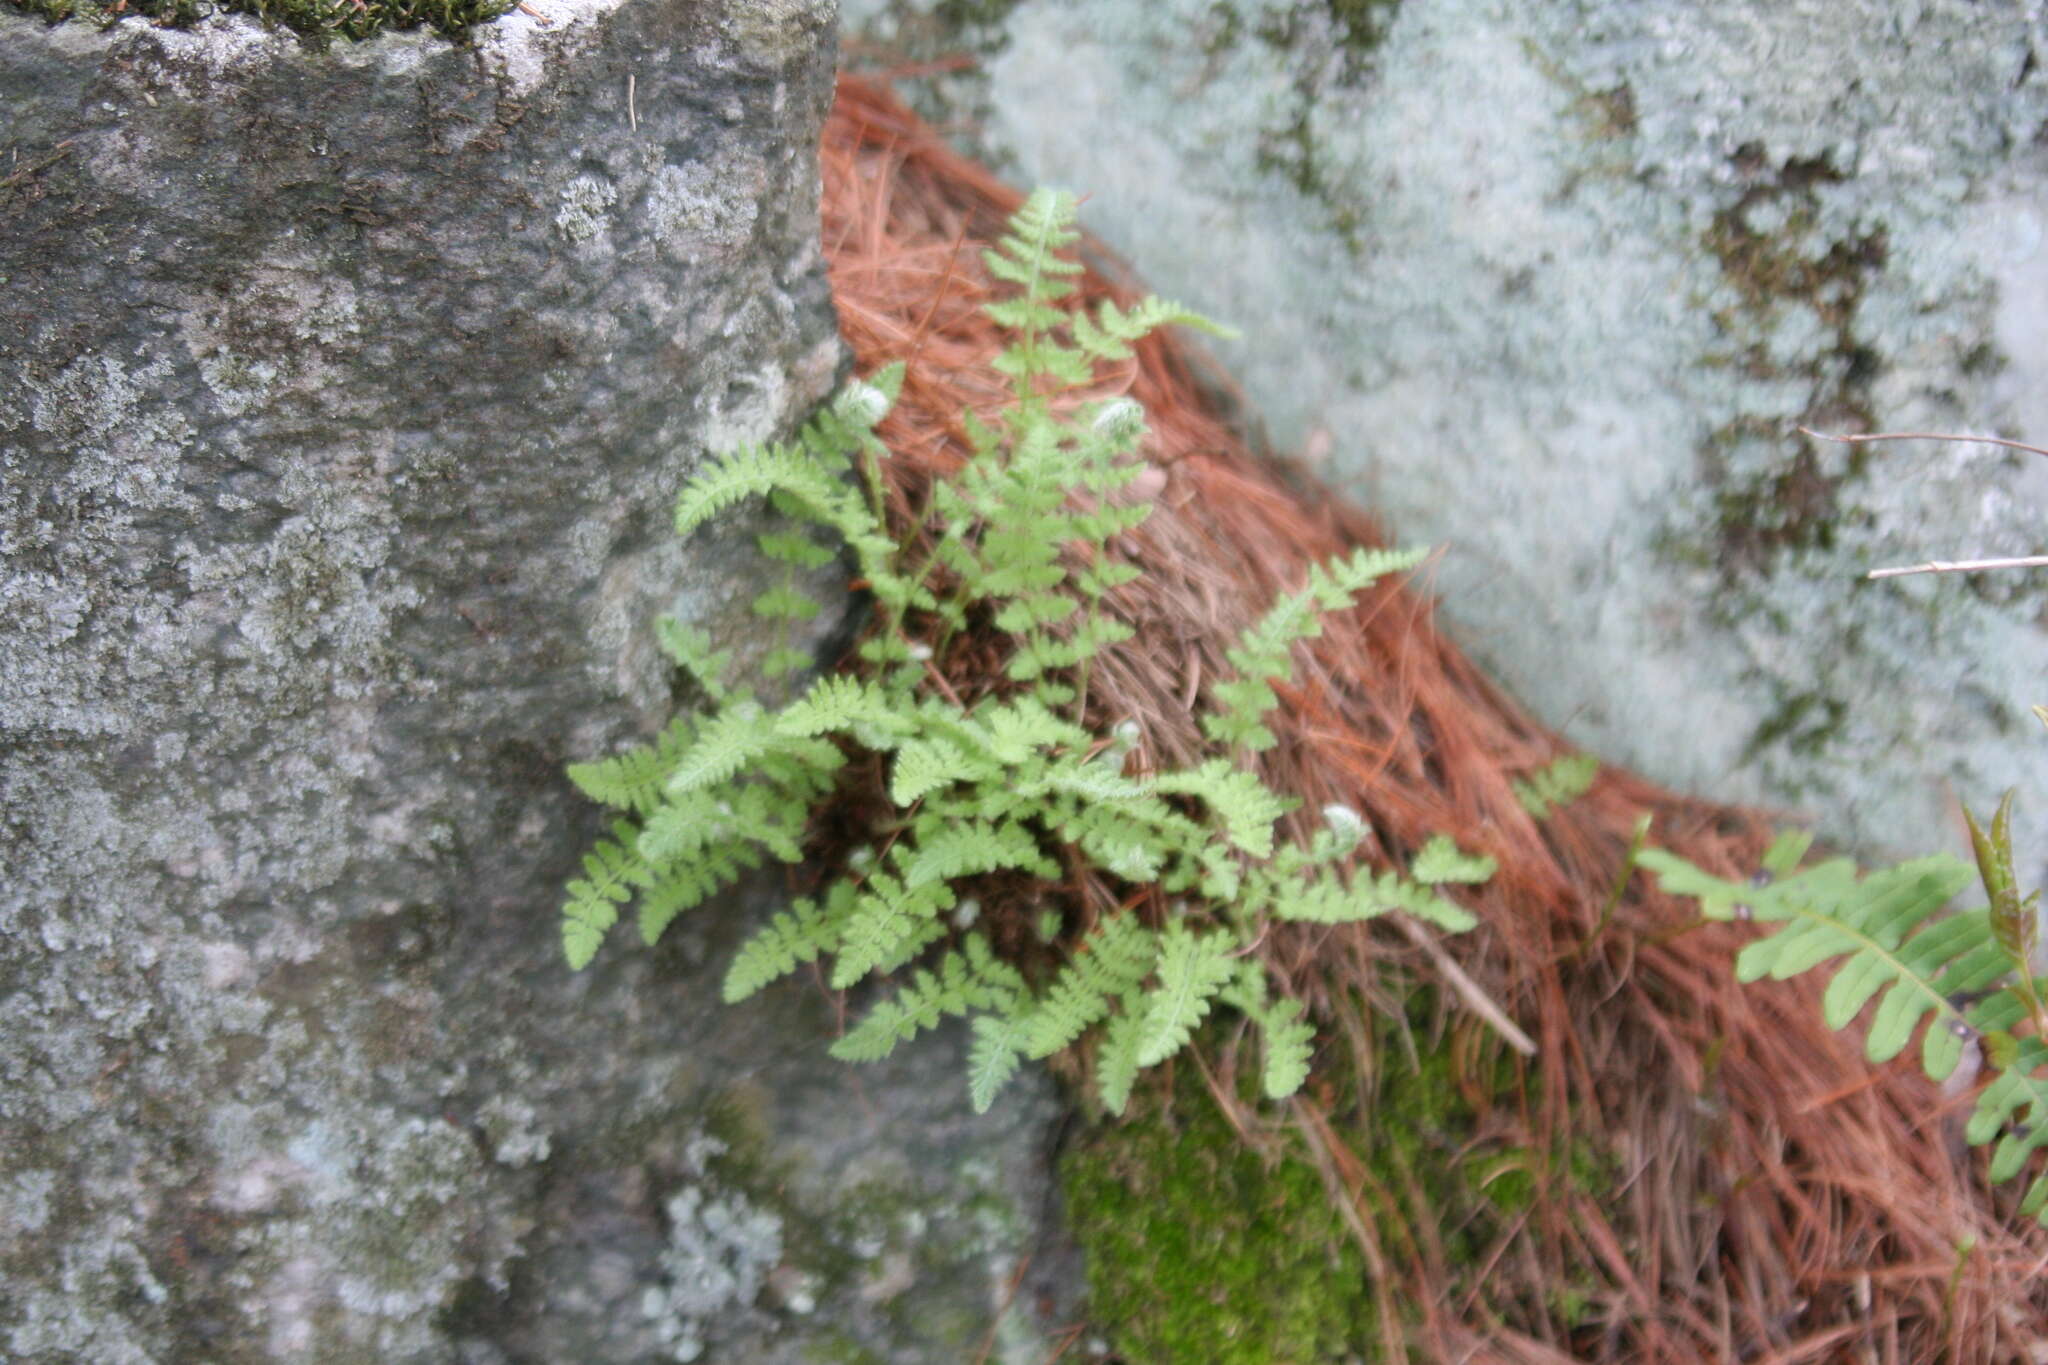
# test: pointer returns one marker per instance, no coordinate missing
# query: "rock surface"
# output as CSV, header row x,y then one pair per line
x,y
1554,284
342,398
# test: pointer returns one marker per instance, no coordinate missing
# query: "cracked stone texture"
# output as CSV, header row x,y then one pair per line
x,y
342,399
1552,285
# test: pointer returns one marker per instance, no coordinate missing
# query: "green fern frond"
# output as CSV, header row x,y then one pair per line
x,y
734,738
2014,1110
794,549
1827,913
1109,964
1264,652
1290,1046
784,603
970,848
1108,336
915,1008
799,934
1116,1060
634,780
1246,806
1327,899
693,652
836,704
685,886
925,765
750,472
994,1057
964,981
612,871
1441,860
888,916
1192,968
1557,783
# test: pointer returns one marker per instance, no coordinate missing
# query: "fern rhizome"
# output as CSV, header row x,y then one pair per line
x,y
1005,785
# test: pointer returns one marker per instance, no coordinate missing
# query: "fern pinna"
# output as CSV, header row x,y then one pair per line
x,y
1010,784
1965,982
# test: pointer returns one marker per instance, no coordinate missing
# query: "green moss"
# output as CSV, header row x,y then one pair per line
x,y
1199,1248
320,19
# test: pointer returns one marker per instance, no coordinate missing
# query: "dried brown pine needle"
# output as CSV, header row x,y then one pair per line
x,y
1773,1197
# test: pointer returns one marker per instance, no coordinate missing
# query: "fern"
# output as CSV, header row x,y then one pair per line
x,y
1957,980
799,934
1441,860
1264,653
1004,788
1556,783
1192,969
634,780
611,873
1245,805
1290,1045
1107,966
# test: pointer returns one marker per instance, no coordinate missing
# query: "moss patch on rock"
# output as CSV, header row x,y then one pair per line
x,y
1198,1250
318,19
1201,1248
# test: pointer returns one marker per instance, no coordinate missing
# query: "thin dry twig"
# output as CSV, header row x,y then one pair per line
x,y
1860,438
1962,566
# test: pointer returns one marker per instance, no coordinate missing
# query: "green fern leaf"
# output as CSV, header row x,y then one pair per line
x,y
634,780
916,1008
799,934
924,765
971,848
725,744
693,652
1246,805
783,603
688,885
1290,1044
750,472
887,917
836,704
794,548
1108,965
611,872
1192,969
2014,1105
1116,1061
1557,783
1441,860
993,1059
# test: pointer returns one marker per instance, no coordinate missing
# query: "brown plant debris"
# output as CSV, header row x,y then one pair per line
x,y
1772,1196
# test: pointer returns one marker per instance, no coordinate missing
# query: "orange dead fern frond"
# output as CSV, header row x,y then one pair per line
x,y
1745,1220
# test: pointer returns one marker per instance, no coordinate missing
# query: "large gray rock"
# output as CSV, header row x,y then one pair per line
x,y
342,399
1553,283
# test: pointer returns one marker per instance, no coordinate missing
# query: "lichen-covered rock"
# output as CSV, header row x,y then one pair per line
x,y
1555,283
343,395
